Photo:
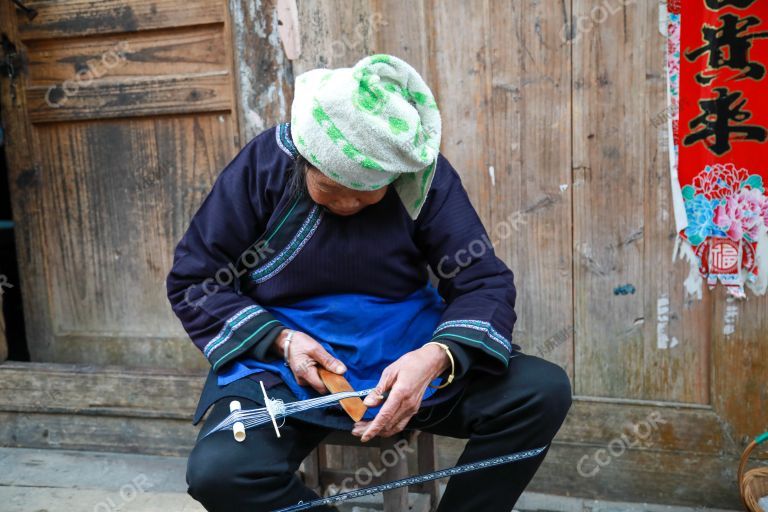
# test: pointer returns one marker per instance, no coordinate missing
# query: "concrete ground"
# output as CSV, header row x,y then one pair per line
x,y
72,481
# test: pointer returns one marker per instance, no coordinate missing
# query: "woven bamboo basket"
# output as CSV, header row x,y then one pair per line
x,y
753,484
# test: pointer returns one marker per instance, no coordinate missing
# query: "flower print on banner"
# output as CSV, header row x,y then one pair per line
x,y
725,207
701,215
740,214
717,72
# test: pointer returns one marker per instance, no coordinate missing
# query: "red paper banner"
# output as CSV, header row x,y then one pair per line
x,y
722,136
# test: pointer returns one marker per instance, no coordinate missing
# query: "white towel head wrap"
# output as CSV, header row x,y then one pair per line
x,y
370,125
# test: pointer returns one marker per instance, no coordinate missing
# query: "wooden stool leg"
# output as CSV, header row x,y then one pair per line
x,y
426,463
396,500
312,471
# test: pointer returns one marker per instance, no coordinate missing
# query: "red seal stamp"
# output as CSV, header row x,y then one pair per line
x,y
724,256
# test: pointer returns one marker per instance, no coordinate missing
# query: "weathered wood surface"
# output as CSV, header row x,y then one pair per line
x,y
264,77
114,139
636,335
76,18
97,408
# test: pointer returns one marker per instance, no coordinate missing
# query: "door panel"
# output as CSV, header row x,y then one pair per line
x,y
637,336
121,118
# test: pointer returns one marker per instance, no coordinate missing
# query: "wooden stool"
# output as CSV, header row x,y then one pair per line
x,y
318,476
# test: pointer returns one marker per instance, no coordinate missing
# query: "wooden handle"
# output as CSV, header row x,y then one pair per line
x,y
336,384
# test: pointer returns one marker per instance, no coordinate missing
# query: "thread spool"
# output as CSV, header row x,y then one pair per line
x,y
238,429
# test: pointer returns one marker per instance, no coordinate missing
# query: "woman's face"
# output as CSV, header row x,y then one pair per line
x,y
338,198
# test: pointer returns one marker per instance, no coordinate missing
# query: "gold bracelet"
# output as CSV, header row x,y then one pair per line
x,y
453,364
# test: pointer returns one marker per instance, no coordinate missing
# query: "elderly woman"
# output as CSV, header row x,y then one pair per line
x,y
312,250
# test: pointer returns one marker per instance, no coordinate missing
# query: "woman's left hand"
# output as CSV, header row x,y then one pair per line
x,y
406,380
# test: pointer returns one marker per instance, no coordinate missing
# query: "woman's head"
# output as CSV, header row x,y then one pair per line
x,y
364,127
337,198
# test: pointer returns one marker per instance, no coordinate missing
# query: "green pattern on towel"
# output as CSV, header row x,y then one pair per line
x,y
368,126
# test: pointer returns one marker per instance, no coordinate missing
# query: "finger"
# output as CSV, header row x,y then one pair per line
x,y
384,417
401,416
327,361
401,425
385,384
359,428
314,380
397,426
299,368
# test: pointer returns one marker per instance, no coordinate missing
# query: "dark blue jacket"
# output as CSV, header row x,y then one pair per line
x,y
254,243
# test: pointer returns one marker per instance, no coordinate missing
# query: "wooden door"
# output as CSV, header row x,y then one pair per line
x,y
549,112
118,118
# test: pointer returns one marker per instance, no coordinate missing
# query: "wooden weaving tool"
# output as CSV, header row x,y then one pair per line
x,y
336,384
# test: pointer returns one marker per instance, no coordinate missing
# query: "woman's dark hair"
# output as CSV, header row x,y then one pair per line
x,y
297,181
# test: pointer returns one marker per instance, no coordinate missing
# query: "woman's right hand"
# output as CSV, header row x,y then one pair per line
x,y
304,354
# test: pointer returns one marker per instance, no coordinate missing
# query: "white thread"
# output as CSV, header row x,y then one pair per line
x,y
275,407
278,408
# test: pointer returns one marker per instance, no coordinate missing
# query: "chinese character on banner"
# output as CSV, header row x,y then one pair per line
x,y
717,56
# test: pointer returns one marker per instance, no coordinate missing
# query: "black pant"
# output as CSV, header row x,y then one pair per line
x,y
520,410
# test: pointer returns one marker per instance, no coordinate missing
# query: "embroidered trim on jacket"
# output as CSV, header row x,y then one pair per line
x,y
282,134
477,325
302,236
230,326
225,358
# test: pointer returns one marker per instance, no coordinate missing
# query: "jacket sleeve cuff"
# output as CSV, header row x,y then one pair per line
x,y
260,350
463,357
248,327
475,345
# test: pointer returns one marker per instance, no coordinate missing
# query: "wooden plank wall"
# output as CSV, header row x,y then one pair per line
x,y
623,229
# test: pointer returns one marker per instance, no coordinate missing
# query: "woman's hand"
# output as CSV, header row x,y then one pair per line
x,y
406,379
304,354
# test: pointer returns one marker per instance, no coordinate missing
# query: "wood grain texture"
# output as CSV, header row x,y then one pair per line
x,y
97,408
627,305
264,77
145,73
26,198
609,168
335,33
530,152
558,97
122,204
740,365
106,179
338,384
75,18
697,479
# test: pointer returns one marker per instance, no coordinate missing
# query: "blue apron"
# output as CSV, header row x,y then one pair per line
x,y
365,332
